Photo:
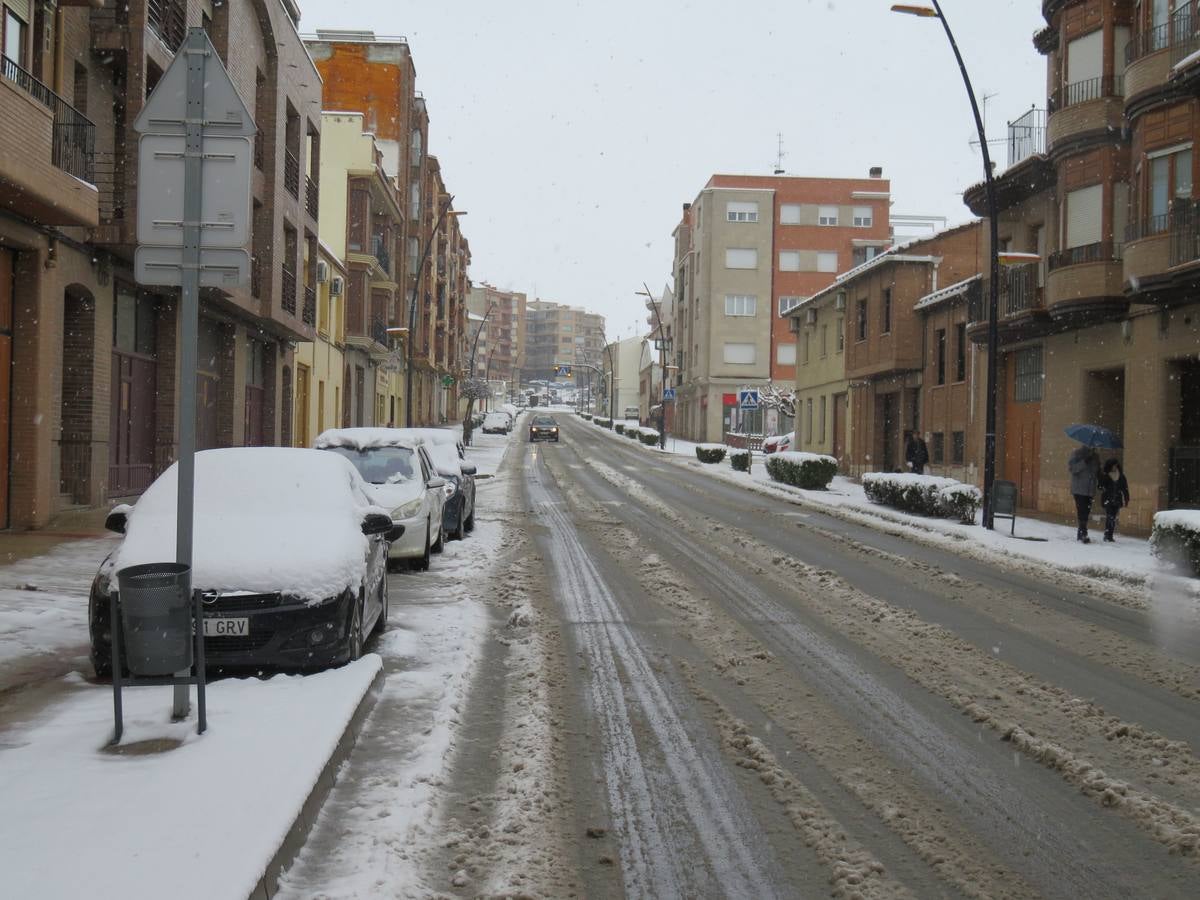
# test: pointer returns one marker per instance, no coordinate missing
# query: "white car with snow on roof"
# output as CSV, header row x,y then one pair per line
x,y
288,550
400,477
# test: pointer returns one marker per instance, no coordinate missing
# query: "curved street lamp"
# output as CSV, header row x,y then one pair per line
x,y
989,440
412,306
662,360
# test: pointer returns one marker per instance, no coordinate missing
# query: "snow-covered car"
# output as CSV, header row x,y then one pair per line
x,y
458,514
497,423
401,478
778,443
543,428
632,412
288,548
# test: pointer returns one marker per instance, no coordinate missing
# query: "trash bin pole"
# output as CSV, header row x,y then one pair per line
x,y
201,706
115,645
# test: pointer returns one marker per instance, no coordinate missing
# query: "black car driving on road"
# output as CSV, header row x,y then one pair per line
x,y
543,428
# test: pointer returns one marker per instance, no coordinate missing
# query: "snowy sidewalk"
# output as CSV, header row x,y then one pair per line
x,y
1128,561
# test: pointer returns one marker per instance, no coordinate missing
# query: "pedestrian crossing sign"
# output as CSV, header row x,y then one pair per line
x,y
748,399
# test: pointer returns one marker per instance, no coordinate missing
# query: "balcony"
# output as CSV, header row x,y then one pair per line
x,y
1021,303
379,251
1085,107
291,173
47,153
288,291
310,196
308,314
168,20
1085,284
1151,55
1101,251
379,331
1027,136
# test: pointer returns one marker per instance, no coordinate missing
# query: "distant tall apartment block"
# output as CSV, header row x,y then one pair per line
x,y
748,249
499,352
557,334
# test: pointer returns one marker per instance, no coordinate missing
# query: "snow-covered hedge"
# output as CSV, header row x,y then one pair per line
x,y
619,427
648,436
1175,538
710,453
587,416
632,432
926,495
740,460
811,471
603,423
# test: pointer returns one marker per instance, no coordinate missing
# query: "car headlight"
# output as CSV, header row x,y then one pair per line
x,y
408,510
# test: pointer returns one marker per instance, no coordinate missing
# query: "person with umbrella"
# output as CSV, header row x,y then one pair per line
x,y
1084,468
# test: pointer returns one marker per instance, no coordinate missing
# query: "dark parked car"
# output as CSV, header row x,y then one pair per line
x,y
288,551
543,428
458,515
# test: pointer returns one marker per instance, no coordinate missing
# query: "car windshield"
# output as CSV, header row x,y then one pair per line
x,y
381,465
544,420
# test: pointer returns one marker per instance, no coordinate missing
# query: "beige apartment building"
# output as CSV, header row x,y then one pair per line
x,y
559,334
822,391
320,363
500,323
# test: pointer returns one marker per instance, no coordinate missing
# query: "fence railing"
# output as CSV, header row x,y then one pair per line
x,y
1184,227
73,145
308,314
168,20
1019,290
291,173
310,196
75,466
1178,34
1027,136
1147,227
288,298
379,330
1088,89
1100,251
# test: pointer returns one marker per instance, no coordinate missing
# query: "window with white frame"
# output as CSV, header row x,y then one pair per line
x,y
789,260
741,305
787,304
785,354
741,258
741,354
827,215
864,217
789,214
741,211
827,261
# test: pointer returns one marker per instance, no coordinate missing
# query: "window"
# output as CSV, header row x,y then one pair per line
x,y
958,447
741,258
841,335
824,341
860,255
787,304
15,39
789,260
960,351
1027,383
741,305
414,200
1083,215
940,351
1085,66
862,320
134,322
827,215
741,212
789,214
80,92
827,261
864,217
808,421
939,447
887,310
804,349
785,354
821,421
741,354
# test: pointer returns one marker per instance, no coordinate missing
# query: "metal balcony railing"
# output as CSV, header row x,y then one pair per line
x,y
73,145
1184,227
1088,89
310,197
1177,34
308,314
168,20
379,251
1147,227
291,173
379,330
288,288
1027,136
1100,251
1019,290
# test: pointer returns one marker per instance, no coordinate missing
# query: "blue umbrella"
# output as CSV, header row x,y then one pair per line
x,y
1095,436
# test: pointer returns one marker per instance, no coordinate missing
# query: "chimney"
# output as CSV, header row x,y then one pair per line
x,y
686,207
876,171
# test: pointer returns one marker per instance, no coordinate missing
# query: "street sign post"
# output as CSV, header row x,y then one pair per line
x,y
668,394
192,230
748,399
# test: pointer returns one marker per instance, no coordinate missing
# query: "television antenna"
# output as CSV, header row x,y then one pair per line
x,y
779,153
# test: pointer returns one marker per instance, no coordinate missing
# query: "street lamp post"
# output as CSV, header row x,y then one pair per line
x,y
662,361
612,377
412,305
989,440
467,429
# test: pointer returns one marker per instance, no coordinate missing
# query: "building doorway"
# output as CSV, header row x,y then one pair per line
x,y
1183,478
839,427
208,380
888,427
1023,378
75,403
254,434
134,391
303,438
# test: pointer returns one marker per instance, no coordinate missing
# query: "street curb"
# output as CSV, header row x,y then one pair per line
x,y
299,831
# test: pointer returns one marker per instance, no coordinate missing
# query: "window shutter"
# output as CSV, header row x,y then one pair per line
x,y
1085,57
1084,212
789,214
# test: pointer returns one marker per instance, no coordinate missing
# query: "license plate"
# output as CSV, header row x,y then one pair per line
x,y
226,627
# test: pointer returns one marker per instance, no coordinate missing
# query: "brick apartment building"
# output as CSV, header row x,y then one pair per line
x,y
500,354
1105,327
748,249
556,333
376,76
91,405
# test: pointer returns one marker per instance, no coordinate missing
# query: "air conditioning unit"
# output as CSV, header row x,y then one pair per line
x,y
794,324
810,317
322,271
335,286
839,302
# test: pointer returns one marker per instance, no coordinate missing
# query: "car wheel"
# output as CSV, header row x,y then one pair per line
x,y
460,532
422,563
356,627
440,544
469,522
381,622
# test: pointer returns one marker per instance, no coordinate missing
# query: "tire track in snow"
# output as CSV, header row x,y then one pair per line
x,y
654,853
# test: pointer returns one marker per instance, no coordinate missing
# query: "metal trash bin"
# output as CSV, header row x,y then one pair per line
x,y
156,618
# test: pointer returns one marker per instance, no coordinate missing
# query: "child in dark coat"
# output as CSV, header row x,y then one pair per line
x,y
1114,493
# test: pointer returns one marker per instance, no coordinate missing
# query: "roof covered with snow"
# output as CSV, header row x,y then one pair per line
x,y
954,290
366,438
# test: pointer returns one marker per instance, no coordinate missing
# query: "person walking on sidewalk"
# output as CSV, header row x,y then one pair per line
x,y
1084,466
1114,493
916,453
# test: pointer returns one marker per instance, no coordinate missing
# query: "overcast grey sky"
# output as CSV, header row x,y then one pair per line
x,y
573,132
